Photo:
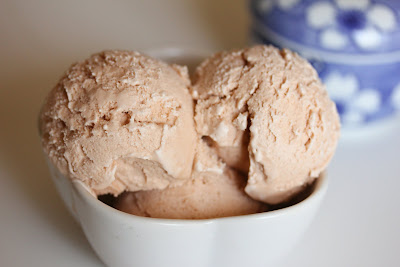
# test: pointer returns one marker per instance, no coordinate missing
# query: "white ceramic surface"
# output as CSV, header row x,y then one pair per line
x,y
121,239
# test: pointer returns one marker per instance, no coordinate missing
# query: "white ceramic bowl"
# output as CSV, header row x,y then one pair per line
x,y
121,239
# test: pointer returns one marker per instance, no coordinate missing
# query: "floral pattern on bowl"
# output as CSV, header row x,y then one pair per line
x,y
353,44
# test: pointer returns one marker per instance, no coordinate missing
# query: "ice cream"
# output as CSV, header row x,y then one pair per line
x,y
271,102
206,195
121,121
255,126
213,191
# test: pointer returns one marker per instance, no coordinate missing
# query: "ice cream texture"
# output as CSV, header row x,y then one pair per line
x,y
121,121
213,191
254,126
269,105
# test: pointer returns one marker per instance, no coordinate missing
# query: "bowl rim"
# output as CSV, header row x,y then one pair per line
x,y
319,190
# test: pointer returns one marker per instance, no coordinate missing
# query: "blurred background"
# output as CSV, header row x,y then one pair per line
x,y
357,225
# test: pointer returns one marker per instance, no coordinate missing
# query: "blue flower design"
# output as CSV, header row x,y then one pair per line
x,y
343,21
353,103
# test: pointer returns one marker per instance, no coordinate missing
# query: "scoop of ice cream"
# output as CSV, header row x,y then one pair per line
x,y
121,121
214,191
206,195
276,98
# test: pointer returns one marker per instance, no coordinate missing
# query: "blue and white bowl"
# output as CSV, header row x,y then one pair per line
x,y
353,44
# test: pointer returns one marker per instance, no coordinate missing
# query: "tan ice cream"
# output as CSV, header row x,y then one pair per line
x,y
262,124
121,121
214,191
276,99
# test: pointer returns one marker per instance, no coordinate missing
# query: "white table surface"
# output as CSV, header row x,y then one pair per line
x,y
359,221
